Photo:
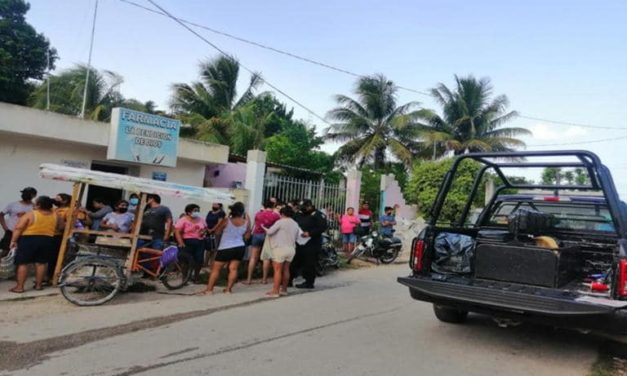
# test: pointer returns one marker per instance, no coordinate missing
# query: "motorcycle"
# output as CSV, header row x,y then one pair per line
x,y
327,257
384,249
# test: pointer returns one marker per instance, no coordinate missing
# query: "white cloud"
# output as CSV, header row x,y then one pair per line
x,y
559,133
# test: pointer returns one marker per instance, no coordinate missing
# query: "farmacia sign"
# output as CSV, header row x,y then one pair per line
x,y
143,138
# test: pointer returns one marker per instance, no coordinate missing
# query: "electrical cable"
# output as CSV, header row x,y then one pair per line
x,y
242,65
569,123
340,70
266,47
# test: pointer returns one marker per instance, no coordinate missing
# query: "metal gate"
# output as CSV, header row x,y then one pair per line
x,y
330,198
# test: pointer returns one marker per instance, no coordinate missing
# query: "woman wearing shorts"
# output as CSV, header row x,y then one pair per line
x,y
265,218
34,239
348,223
234,229
190,231
282,239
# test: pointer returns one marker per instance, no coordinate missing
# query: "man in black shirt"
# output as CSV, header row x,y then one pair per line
x,y
156,222
313,223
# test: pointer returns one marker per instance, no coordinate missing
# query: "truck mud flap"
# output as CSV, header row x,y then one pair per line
x,y
501,299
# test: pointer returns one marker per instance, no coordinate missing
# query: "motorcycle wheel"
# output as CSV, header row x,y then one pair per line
x,y
321,269
389,256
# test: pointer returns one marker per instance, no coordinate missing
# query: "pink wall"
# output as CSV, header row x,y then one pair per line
x,y
225,175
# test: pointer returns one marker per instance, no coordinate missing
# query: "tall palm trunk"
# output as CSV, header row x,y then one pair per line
x,y
379,158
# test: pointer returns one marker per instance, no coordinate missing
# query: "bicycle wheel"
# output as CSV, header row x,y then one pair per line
x,y
90,281
177,274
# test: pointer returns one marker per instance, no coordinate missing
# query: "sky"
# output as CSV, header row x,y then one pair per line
x,y
556,60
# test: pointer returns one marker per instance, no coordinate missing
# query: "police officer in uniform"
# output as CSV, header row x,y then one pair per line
x,y
313,223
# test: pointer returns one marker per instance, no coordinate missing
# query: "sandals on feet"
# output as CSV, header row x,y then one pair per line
x,y
16,291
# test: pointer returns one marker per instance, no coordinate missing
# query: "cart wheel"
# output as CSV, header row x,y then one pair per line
x,y
90,281
177,274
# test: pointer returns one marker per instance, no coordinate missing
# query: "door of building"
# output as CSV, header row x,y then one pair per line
x,y
109,195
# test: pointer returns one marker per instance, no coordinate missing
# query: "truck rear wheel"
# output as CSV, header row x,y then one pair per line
x,y
449,314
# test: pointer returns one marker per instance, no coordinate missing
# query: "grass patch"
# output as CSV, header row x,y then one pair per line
x,y
611,360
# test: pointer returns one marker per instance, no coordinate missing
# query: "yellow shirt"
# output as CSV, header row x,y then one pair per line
x,y
43,224
62,213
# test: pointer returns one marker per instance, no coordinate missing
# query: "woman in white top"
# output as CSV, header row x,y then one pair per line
x,y
282,236
234,229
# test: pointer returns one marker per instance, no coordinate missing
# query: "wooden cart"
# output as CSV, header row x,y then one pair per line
x,y
125,244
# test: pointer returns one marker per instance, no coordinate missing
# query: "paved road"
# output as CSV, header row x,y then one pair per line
x,y
360,323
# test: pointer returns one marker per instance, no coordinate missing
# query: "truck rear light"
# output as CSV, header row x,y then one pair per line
x,y
419,248
622,278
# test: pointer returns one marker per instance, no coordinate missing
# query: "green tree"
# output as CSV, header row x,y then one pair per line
x,y
581,177
371,188
471,121
297,145
552,176
426,178
23,53
66,93
374,124
208,104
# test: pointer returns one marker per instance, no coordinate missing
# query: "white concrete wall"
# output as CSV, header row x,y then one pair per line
x,y
30,137
26,121
392,195
20,158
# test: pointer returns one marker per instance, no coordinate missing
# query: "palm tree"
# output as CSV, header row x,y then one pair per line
x,y
470,120
203,103
373,124
66,93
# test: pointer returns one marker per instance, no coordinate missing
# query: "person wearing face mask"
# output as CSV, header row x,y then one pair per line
x,y
12,213
133,202
313,224
119,220
190,231
214,217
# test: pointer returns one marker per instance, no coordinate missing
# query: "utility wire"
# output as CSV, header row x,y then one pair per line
x,y
331,67
180,22
266,47
582,142
569,123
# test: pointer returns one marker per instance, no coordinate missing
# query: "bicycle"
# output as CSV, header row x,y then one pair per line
x,y
97,274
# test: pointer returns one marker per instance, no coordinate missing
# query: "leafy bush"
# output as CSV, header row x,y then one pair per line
x,y
426,178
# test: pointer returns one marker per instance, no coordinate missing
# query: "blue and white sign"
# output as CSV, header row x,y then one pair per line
x,y
143,138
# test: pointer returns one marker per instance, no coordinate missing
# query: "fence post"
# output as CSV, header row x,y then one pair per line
x,y
353,189
255,174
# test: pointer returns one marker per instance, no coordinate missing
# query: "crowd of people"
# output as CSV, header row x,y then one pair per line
x,y
285,237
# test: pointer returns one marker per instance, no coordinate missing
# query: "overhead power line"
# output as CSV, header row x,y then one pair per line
x,y
266,47
583,142
569,123
242,65
181,21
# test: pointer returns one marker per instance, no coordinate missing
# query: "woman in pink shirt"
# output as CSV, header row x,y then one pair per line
x,y
190,231
348,222
264,218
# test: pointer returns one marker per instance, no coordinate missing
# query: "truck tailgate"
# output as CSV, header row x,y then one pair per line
x,y
503,298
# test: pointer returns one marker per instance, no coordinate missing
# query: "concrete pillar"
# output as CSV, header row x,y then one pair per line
x,y
353,189
489,190
385,180
255,174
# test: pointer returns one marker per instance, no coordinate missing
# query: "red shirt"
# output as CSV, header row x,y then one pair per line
x,y
265,218
365,215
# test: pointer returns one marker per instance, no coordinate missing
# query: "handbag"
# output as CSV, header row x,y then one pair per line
x,y
7,265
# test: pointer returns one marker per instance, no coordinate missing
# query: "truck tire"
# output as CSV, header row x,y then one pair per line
x,y
449,315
